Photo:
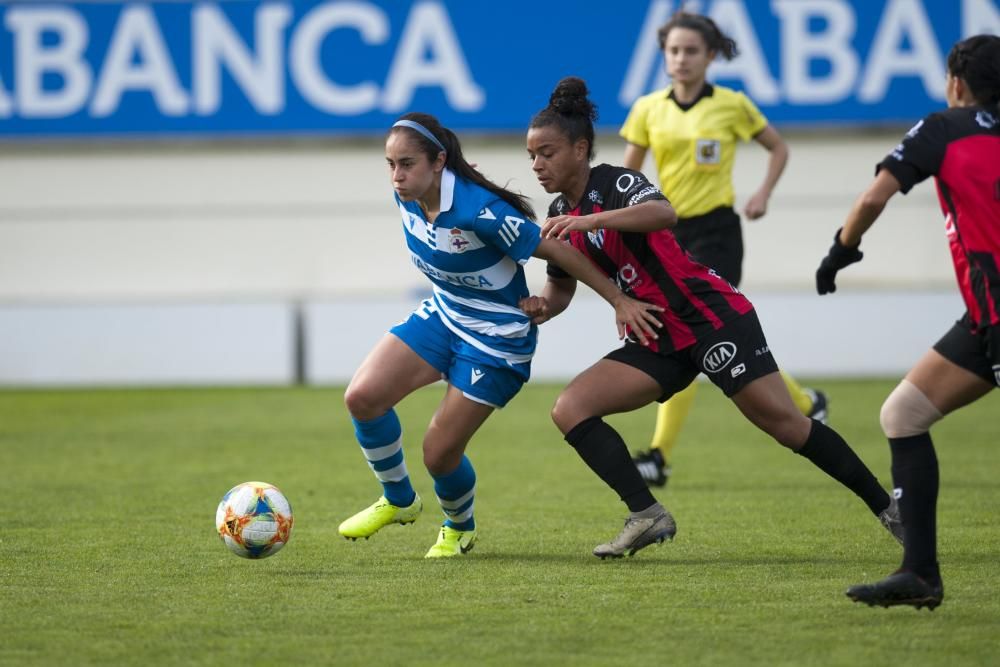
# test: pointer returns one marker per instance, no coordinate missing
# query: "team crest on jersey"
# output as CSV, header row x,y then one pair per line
x,y
707,151
458,242
596,237
595,197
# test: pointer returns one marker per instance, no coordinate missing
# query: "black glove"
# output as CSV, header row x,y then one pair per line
x,y
839,256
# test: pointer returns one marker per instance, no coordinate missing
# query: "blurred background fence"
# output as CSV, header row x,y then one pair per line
x,y
195,192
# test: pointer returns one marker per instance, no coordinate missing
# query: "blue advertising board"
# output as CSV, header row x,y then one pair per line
x,y
239,68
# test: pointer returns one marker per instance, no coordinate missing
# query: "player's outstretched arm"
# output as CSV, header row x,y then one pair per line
x,y
630,314
868,207
649,216
864,213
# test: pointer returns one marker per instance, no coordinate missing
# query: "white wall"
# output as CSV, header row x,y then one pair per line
x,y
179,242
162,344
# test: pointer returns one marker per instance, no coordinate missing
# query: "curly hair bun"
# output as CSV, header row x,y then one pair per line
x,y
570,98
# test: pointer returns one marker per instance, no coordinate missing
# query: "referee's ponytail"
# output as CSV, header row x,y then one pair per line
x,y
715,39
571,110
976,60
445,139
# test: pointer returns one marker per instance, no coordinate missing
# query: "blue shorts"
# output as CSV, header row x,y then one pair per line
x,y
481,377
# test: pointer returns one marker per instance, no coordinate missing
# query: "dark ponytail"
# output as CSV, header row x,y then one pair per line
x,y
976,60
455,161
571,110
714,38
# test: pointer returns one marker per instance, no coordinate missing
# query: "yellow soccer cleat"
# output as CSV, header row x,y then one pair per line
x,y
370,520
452,542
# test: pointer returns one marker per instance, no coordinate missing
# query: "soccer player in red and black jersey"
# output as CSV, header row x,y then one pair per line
x,y
960,147
619,220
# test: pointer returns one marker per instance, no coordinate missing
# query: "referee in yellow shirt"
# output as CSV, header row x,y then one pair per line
x,y
692,128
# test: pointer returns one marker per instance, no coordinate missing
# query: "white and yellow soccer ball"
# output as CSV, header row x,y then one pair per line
x,y
254,520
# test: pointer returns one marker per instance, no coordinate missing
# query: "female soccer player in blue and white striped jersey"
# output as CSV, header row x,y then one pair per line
x,y
470,237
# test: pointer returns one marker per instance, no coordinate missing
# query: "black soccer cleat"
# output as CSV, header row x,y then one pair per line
x,y
899,588
652,468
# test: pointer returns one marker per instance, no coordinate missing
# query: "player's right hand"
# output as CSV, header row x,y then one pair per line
x,y
560,226
535,307
638,318
839,257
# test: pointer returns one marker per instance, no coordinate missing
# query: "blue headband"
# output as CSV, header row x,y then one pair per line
x,y
414,125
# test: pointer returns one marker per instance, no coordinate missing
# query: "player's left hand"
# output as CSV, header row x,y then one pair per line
x,y
560,226
535,307
839,256
638,317
756,206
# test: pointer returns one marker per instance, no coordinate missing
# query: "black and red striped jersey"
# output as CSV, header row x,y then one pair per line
x,y
960,147
650,267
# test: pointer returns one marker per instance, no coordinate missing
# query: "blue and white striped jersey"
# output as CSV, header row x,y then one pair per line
x,y
474,253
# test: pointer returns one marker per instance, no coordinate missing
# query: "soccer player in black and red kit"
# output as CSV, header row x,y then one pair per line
x,y
619,220
960,147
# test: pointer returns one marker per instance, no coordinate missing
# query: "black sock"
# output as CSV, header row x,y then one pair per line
x,y
828,451
605,452
915,478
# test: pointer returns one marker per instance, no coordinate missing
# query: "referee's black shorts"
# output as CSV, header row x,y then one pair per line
x,y
714,239
966,347
732,357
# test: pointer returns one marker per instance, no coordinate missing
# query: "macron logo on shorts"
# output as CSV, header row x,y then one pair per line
x,y
477,375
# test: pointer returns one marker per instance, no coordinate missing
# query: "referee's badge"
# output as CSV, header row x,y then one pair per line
x,y
707,151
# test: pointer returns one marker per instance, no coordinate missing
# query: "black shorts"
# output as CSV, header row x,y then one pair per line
x,y
964,346
714,239
732,357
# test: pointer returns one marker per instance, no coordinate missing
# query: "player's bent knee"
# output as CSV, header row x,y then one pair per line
x,y
564,413
907,412
441,457
363,404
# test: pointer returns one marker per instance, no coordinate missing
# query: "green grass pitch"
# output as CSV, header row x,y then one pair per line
x,y
108,554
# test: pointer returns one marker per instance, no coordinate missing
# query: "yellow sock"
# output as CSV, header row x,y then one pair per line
x,y
802,400
670,418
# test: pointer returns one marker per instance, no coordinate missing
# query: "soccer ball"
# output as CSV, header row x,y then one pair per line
x,y
254,520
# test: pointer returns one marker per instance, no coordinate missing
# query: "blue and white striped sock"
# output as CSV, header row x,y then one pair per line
x,y
456,492
382,444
